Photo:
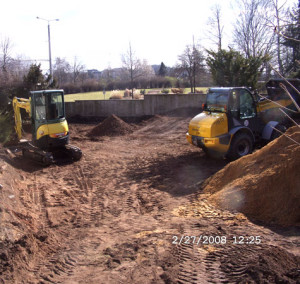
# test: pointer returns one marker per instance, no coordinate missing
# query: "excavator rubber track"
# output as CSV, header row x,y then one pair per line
x,y
73,152
45,158
31,152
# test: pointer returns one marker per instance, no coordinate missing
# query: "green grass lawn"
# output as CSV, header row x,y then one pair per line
x,y
87,96
100,96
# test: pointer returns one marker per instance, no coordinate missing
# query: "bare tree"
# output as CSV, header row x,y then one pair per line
x,y
215,22
291,40
18,67
279,12
191,64
251,32
6,48
132,67
12,69
61,70
76,68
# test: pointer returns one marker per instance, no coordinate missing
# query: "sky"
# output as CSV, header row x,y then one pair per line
x,y
98,32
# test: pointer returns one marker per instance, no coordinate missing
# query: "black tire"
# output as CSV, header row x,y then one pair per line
x,y
241,145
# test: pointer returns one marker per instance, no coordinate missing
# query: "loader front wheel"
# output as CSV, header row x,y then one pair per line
x,y
241,145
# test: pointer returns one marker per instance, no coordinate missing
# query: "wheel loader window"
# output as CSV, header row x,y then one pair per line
x,y
247,105
234,105
217,101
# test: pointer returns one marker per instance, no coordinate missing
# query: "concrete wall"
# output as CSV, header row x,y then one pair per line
x,y
150,105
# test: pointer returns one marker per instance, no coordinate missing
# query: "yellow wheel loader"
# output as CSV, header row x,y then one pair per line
x,y
233,121
50,131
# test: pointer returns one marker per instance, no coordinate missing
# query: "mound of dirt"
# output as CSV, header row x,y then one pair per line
x,y
264,185
111,126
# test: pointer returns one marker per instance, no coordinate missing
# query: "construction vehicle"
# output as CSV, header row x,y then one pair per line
x,y
233,121
49,127
275,93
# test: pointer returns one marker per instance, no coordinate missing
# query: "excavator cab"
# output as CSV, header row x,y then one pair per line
x,y
50,128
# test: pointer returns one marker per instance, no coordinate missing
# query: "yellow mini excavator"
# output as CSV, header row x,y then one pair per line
x,y
50,131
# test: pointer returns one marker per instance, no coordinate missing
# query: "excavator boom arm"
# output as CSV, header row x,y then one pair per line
x,y
19,103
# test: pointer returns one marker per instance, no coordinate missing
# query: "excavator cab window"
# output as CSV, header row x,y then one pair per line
x,y
49,106
40,107
55,106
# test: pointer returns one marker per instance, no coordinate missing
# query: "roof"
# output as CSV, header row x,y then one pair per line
x,y
46,91
225,89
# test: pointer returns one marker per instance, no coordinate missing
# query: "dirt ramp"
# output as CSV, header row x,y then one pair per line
x,y
111,126
264,185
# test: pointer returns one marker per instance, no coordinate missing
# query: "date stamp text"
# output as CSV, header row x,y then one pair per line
x,y
216,240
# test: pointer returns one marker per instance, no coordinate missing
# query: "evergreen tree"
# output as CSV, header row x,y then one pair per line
x,y
232,69
35,80
162,70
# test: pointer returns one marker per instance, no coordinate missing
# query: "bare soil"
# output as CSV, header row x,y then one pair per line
x,y
119,214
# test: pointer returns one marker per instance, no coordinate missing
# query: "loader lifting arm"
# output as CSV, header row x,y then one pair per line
x,y
19,103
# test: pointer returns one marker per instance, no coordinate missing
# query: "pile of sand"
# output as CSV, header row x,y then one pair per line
x,y
264,185
111,126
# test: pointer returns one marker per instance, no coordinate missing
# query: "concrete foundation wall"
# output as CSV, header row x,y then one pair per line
x,y
150,105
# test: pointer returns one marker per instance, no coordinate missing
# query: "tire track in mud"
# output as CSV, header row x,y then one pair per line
x,y
190,265
80,190
56,266
60,210
196,265
229,262
97,206
235,271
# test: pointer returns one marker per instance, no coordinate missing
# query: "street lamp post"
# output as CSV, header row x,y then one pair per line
x,y
49,42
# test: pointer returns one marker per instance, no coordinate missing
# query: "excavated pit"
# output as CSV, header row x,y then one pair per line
x,y
118,214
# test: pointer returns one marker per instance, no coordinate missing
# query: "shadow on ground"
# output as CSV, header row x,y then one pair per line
x,y
180,175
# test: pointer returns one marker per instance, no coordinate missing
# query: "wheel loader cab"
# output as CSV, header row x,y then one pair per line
x,y
229,119
50,128
242,111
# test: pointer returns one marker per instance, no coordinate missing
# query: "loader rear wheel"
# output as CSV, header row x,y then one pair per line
x,y
241,145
